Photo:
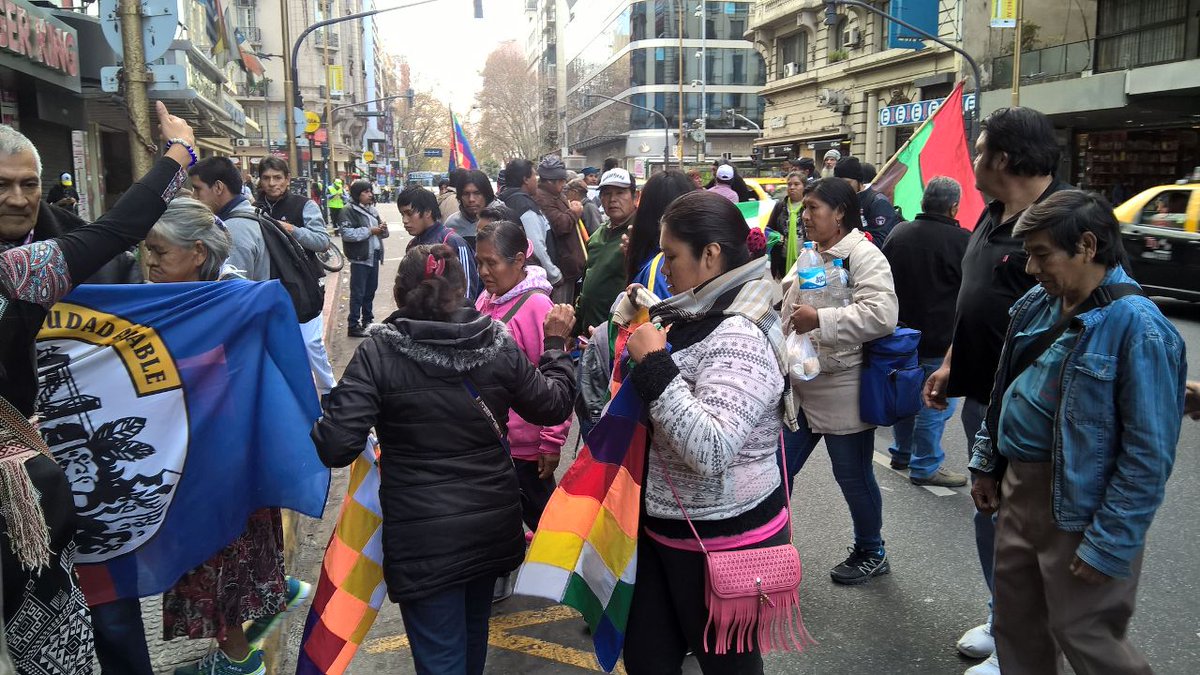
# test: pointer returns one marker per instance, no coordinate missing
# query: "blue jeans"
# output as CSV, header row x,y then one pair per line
x,y
851,458
918,439
973,413
121,638
364,279
448,631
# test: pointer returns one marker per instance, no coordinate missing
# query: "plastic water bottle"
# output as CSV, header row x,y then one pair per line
x,y
810,268
838,285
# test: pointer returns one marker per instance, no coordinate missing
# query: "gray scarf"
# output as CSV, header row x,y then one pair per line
x,y
745,292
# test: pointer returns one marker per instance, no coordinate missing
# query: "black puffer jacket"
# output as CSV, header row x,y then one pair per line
x,y
451,505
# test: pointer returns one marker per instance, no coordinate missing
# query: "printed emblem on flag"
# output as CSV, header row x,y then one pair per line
x,y
121,484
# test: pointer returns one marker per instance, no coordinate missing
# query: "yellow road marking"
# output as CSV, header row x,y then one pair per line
x,y
500,637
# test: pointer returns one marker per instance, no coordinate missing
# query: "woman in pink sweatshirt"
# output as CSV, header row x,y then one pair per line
x,y
518,295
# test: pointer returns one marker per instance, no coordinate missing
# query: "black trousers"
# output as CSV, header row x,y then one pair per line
x,y
668,613
121,638
535,492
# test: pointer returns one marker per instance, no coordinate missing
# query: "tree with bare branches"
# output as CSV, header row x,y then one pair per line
x,y
508,103
423,124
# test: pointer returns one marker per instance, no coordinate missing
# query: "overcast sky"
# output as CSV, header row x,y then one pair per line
x,y
446,46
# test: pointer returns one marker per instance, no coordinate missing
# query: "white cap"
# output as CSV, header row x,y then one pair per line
x,y
616,178
724,172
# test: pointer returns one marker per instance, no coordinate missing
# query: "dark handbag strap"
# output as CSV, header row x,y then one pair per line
x,y
1102,296
487,412
787,502
516,307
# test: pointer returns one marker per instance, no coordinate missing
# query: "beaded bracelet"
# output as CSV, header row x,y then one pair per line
x,y
186,146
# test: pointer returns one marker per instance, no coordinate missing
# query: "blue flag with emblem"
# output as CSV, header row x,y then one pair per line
x,y
176,410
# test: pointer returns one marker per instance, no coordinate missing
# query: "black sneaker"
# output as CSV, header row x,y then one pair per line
x,y
899,464
861,566
355,330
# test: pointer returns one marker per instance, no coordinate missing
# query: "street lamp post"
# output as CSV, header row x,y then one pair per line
x,y
831,19
293,73
666,125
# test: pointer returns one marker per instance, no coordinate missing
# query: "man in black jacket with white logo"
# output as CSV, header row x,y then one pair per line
x,y
926,258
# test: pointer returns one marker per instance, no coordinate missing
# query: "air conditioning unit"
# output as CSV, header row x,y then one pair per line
x,y
851,37
790,69
241,142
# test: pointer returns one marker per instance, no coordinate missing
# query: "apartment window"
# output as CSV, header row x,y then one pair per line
x,y
885,26
836,33
791,54
1133,33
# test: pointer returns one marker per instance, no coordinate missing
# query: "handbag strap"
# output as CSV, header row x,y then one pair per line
x,y
487,412
1102,296
516,306
787,502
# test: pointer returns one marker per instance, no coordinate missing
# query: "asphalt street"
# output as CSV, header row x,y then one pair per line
x,y
904,623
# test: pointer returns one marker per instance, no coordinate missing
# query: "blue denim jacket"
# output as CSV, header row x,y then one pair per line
x,y
1117,424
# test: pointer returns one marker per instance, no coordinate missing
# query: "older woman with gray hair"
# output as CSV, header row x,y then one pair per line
x,y
188,243
245,581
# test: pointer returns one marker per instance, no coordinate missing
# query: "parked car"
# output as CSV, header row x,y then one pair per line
x,y
773,188
1161,231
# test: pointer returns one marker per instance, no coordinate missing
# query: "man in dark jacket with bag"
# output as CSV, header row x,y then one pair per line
x,y
926,258
302,219
522,185
563,217
436,380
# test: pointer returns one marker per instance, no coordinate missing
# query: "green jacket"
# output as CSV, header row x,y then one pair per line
x,y
335,197
604,278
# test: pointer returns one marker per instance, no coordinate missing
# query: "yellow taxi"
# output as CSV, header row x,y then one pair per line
x,y
1160,228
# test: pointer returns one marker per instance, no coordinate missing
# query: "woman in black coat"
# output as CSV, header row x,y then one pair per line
x,y
436,380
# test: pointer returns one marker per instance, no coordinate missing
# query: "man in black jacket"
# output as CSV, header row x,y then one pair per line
x,y
1017,155
37,268
523,185
926,259
878,214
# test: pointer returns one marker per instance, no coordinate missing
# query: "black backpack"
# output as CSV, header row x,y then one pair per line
x,y
290,264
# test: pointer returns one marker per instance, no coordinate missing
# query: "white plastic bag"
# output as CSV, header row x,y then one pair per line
x,y
802,356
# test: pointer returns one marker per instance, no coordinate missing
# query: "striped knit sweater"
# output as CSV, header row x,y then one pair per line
x,y
714,409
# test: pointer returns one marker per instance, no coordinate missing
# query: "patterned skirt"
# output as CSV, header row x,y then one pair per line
x,y
242,582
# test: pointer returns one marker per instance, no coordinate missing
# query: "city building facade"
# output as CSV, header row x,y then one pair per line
x,y
332,69
688,61
827,85
1119,78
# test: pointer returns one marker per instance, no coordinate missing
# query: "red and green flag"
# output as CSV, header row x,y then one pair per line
x,y
938,148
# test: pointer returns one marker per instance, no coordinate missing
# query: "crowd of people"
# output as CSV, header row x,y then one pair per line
x,y
1068,380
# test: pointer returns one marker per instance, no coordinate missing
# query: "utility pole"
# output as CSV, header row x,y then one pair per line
x,y
681,71
329,173
289,101
141,148
1016,62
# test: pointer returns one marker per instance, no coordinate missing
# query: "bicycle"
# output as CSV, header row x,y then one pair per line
x,y
331,258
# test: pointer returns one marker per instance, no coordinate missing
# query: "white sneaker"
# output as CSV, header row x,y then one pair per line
x,y
977,643
989,667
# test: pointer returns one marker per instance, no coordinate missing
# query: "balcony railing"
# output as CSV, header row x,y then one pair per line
x,y
1059,62
1146,46
246,89
253,34
764,13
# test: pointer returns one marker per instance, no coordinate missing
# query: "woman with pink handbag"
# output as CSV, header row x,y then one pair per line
x,y
717,574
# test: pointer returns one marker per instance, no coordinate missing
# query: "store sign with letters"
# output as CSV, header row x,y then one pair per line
x,y
38,44
910,114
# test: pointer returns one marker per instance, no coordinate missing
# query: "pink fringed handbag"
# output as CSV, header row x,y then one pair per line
x,y
753,595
